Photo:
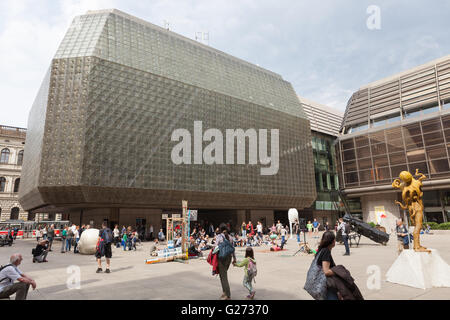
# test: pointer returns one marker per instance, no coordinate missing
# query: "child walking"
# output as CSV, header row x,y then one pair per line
x,y
249,264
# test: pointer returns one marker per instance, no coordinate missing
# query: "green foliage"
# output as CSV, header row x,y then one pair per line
x,y
437,226
372,224
433,225
444,226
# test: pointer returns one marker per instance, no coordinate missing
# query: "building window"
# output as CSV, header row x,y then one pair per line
x,y
16,185
4,158
2,184
20,158
15,213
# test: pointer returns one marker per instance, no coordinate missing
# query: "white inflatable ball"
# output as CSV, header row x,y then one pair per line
x,y
88,241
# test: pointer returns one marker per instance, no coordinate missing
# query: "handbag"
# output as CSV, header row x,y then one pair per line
x,y
316,281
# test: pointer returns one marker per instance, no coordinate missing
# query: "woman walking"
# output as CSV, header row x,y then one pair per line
x,y
224,260
325,260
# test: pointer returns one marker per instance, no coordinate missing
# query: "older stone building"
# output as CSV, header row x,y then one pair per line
x,y
12,143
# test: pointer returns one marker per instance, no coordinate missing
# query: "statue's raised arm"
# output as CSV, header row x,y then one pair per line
x,y
397,184
422,176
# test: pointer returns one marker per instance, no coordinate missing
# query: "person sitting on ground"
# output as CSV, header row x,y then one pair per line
x,y
40,252
178,242
11,273
154,248
278,247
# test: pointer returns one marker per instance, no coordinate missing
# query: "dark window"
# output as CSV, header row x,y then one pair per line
x,y
366,175
395,145
381,161
2,184
4,158
437,166
20,158
413,142
397,158
431,125
348,144
350,166
363,152
351,177
378,149
433,138
361,141
15,213
412,129
436,152
16,185
325,181
377,137
349,155
365,163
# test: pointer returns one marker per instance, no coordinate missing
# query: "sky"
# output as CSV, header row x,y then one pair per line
x,y
324,48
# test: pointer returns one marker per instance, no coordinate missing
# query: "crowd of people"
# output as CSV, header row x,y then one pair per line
x,y
202,238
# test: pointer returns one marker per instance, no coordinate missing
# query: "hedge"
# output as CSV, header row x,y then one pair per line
x,y
437,226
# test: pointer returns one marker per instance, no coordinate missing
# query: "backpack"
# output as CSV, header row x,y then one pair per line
x,y
107,236
225,249
347,228
3,267
251,270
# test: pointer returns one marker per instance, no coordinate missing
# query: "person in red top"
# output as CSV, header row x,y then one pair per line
x,y
250,228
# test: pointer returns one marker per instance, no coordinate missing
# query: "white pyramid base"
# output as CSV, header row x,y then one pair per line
x,y
420,270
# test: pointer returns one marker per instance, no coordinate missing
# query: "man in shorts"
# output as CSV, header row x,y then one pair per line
x,y
105,239
316,225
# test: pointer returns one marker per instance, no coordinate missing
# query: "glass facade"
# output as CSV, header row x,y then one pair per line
x,y
378,157
100,128
325,168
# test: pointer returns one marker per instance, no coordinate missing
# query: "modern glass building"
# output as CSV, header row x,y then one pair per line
x,y
325,125
396,124
99,133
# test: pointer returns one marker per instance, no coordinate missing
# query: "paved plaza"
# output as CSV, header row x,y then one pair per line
x,y
280,274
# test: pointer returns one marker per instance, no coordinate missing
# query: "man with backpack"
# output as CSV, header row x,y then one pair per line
x,y
225,255
345,229
105,239
11,273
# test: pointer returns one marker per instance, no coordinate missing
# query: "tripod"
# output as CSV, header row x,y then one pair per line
x,y
303,245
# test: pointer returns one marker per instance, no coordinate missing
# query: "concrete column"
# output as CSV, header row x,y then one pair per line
x,y
265,216
386,200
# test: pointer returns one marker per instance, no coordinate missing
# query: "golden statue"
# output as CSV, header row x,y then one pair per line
x,y
412,201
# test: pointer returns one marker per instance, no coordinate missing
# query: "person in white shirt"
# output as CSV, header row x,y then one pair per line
x,y
9,274
283,234
341,227
151,232
116,235
76,236
259,230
